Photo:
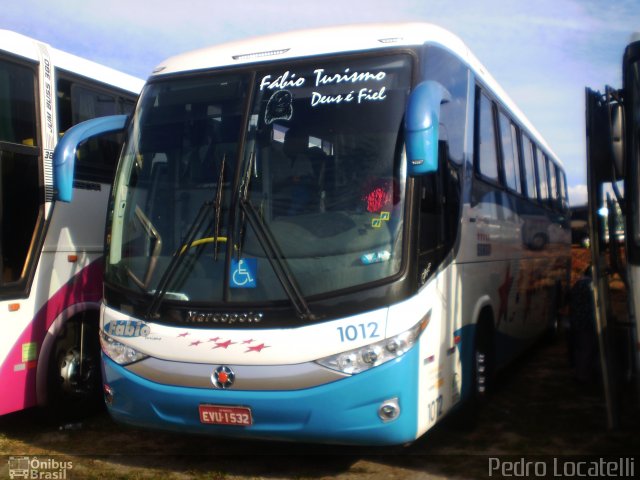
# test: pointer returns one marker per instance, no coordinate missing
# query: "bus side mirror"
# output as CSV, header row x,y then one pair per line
x,y
605,135
616,132
64,155
421,127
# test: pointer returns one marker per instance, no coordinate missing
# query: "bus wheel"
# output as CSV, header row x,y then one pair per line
x,y
483,358
538,242
482,371
74,371
553,316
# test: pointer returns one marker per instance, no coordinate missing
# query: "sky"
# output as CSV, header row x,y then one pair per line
x,y
543,52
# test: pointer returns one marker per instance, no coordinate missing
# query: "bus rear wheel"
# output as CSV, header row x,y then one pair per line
x,y
484,361
74,379
482,372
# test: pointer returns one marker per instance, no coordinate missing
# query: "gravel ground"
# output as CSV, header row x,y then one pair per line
x,y
538,412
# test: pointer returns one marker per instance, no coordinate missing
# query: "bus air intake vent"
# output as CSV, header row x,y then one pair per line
x,y
390,40
269,53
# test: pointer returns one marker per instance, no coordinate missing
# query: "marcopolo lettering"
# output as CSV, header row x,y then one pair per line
x,y
228,318
127,328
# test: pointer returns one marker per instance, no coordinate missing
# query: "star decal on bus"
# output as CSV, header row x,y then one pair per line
x,y
247,342
224,345
214,339
256,348
182,335
503,293
195,344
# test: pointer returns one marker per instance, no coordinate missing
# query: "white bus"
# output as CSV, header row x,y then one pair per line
x,y
50,282
333,235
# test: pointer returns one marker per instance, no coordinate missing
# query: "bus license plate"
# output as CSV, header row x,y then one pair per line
x,y
225,415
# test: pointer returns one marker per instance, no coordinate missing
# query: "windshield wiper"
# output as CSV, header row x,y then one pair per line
x,y
277,261
244,195
177,259
218,207
179,255
272,250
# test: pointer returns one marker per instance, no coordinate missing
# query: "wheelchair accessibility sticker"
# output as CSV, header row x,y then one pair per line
x,y
243,273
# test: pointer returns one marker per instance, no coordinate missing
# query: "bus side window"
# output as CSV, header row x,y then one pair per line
x,y
77,102
97,158
553,183
20,190
429,213
529,167
126,106
17,104
87,103
487,159
509,139
438,205
543,184
562,187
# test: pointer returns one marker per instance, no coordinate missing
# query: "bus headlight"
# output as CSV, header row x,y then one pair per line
x,y
119,353
363,358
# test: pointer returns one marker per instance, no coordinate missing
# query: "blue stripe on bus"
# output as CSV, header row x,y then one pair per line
x,y
344,412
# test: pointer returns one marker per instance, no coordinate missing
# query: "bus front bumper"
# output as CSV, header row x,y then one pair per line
x,y
343,412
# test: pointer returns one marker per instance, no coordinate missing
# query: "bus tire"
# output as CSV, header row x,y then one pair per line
x,y
74,378
555,304
539,241
484,357
483,368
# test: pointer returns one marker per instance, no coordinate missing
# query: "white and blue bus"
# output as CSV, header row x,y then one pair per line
x,y
333,235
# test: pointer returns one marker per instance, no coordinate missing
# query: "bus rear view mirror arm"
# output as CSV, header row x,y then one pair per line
x,y
64,155
421,126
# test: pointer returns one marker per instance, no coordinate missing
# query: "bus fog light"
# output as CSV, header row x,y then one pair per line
x,y
389,410
108,394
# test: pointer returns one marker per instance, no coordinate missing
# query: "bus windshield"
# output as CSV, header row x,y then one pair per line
x,y
313,149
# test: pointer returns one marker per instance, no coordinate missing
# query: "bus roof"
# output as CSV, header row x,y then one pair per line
x,y
341,39
27,47
311,42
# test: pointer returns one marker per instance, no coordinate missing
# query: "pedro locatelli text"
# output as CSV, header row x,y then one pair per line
x,y
556,467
